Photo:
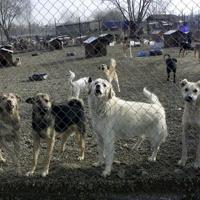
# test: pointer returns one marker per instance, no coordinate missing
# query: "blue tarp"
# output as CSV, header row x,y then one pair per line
x,y
115,25
184,29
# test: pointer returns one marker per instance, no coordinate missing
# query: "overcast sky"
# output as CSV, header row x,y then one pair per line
x,y
49,11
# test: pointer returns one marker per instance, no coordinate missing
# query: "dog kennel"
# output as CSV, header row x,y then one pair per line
x,y
95,47
6,57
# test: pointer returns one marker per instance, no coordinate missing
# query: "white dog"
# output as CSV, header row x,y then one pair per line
x,y
113,118
191,116
77,86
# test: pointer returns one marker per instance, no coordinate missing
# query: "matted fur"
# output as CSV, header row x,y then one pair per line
x,y
114,118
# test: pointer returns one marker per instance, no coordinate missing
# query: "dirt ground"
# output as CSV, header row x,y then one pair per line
x,y
133,177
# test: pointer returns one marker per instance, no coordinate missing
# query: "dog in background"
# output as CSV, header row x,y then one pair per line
x,y
10,127
110,72
197,51
114,118
170,66
17,62
184,47
191,116
51,121
77,86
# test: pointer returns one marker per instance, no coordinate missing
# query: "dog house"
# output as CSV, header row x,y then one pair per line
x,y
6,57
107,38
173,38
55,43
95,47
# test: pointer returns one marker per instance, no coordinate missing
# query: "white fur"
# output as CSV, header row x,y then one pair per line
x,y
114,118
191,116
77,86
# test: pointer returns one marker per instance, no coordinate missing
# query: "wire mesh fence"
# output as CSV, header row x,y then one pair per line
x,y
106,73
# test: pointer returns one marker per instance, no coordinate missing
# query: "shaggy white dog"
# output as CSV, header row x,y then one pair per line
x,y
114,118
77,86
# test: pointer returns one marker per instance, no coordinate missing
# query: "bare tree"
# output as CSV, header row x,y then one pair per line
x,y
9,10
133,11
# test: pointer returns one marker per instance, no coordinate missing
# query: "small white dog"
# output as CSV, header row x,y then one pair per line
x,y
191,116
77,86
114,118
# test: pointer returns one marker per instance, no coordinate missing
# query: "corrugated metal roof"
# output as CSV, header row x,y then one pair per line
x,y
170,32
4,49
90,40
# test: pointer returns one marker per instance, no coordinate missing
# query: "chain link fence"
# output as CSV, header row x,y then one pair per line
x,y
88,83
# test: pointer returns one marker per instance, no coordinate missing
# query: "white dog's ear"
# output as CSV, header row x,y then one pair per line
x,y
111,93
89,80
89,85
198,83
183,82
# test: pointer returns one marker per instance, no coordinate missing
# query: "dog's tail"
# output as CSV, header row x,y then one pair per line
x,y
113,62
151,97
71,77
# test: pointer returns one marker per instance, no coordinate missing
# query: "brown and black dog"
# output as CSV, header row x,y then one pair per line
x,y
50,121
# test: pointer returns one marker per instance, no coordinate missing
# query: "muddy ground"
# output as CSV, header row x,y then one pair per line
x,y
133,177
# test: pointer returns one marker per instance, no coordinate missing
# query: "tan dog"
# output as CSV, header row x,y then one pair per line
x,y
17,62
10,126
110,72
197,51
50,121
191,116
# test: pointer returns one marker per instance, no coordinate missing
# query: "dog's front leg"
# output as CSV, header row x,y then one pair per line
x,y
174,77
183,159
100,152
197,161
36,151
50,145
109,154
17,148
2,159
117,81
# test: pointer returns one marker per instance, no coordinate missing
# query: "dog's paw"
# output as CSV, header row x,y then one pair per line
x,y
45,173
81,158
152,159
3,160
196,164
30,173
182,162
105,173
97,164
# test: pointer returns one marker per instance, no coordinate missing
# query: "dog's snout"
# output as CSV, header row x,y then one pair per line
x,y
97,86
9,101
189,98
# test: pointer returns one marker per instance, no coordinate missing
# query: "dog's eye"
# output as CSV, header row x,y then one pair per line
x,y
104,85
3,98
195,90
96,83
186,89
46,100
